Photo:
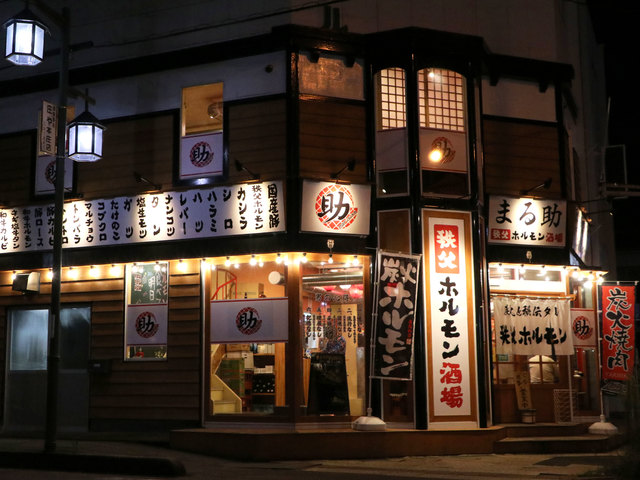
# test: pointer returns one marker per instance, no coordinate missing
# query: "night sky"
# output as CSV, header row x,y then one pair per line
x,y
616,25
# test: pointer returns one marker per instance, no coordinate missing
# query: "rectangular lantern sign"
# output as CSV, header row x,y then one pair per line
x,y
618,333
250,321
198,213
335,208
449,291
527,221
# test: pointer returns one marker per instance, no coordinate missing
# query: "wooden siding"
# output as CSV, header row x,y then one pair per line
x,y
332,133
159,391
143,145
520,155
258,139
16,157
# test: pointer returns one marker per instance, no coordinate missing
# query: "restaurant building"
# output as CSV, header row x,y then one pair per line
x,y
276,186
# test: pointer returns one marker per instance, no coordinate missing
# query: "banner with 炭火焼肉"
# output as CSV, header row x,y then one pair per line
x,y
532,326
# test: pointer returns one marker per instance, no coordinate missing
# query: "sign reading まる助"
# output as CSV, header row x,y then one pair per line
x,y
527,221
335,208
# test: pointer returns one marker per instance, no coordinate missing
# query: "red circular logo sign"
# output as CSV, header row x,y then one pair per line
x,y
50,172
335,207
444,145
248,321
201,154
582,328
146,325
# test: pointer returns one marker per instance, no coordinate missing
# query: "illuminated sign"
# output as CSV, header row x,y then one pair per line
x,y
527,221
335,208
190,214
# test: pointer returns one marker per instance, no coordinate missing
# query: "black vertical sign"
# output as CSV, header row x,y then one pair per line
x,y
395,301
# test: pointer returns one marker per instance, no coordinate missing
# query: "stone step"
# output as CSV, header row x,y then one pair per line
x,y
587,443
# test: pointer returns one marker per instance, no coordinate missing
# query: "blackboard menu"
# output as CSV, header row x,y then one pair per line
x,y
328,393
149,284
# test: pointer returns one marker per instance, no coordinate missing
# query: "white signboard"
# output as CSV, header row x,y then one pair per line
x,y
48,129
146,324
45,178
262,320
197,213
450,316
527,221
584,327
335,208
201,156
451,145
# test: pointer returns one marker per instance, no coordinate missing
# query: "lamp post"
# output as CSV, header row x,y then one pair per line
x,y
25,40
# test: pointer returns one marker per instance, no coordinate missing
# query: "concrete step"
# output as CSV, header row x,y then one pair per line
x,y
587,443
545,429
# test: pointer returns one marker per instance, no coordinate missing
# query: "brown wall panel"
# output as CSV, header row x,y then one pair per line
x,y
520,155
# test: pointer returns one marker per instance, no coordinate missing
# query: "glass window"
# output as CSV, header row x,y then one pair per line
x,y
443,132
391,132
334,337
146,311
248,377
29,340
202,109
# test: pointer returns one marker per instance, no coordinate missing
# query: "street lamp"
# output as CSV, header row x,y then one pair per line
x,y
25,39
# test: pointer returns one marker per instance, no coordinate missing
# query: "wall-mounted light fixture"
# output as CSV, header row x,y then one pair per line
x,y
350,165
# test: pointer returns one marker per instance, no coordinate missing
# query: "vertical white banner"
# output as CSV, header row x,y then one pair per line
x,y
449,291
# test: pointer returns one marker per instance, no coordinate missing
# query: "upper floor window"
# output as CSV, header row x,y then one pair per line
x,y
391,132
201,143
443,133
392,104
441,99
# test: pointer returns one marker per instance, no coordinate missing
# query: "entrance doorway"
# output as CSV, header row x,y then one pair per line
x,y
26,376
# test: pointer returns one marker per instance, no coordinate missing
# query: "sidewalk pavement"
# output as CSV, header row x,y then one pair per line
x,y
158,460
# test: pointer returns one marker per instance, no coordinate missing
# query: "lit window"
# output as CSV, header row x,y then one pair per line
x,y
441,99
392,105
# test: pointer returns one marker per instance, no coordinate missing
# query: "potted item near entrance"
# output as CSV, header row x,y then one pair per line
x,y
528,415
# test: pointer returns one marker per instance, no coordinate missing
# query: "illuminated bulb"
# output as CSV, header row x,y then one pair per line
x,y
93,271
303,259
355,260
157,267
114,270
182,266
285,260
13,275
227,262
73,272
253,262
49,274
134,269
435,155
278,259
330,258
260,263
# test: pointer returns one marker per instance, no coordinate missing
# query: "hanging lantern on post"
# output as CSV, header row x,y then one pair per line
x,y
25,39
85,138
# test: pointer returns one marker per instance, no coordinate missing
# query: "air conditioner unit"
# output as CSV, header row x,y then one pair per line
x,y
27,282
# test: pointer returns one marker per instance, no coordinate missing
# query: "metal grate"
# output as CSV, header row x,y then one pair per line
x,y
565,404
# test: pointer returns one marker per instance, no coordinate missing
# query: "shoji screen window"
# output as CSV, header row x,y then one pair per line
x,y
391,132
443,133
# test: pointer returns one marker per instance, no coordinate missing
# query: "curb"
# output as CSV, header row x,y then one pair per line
x,y
123,465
